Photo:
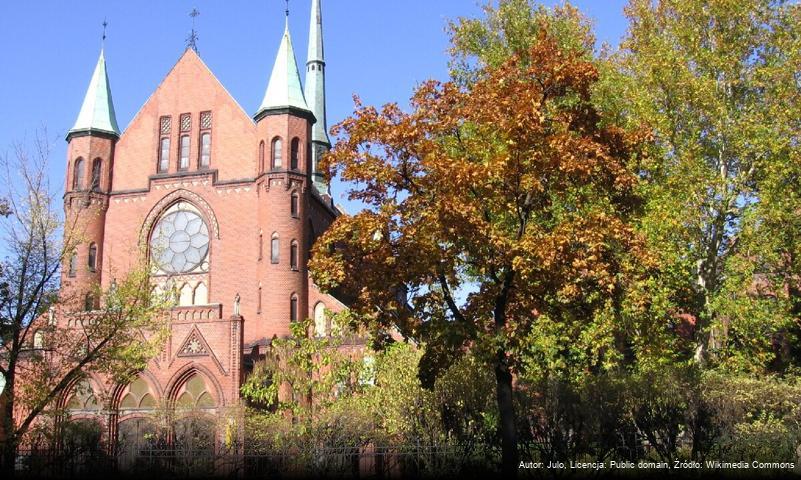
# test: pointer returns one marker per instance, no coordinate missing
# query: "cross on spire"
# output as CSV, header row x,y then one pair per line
x,y
191,40
287,8
103,40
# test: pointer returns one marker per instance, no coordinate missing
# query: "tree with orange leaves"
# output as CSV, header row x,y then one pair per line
x,y
498,220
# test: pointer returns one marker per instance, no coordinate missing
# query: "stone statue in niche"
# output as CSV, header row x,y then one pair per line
x,y
237,298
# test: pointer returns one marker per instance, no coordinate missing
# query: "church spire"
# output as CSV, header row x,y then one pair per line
x,y
97,112
316,33
315,92
315,74
284,89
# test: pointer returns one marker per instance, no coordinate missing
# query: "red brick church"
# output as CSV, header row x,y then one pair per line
x,y
226,203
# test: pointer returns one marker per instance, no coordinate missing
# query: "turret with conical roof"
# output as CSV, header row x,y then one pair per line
x,y
90,158
97,111
284,91
284,125
315,93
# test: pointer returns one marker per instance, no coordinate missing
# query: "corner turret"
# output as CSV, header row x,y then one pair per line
x,y
90,159
97,111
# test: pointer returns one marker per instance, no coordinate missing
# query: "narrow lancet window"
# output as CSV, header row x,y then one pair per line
x,y
277,160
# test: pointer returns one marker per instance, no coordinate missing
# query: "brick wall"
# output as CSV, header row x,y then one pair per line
x,y
238,202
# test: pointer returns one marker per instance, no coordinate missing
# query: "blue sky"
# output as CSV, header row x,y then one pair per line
x,y
378,49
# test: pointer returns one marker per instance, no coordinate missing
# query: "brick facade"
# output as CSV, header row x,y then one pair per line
x,y
243,202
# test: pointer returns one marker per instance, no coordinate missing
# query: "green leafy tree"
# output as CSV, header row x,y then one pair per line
x,y
45,347
404,411
303,373
509,29
509,188
717,83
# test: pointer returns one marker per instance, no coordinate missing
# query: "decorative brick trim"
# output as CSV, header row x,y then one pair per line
x,y
173,197
195,334
186,372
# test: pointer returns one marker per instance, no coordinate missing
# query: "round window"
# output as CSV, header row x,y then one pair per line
x,y
180,242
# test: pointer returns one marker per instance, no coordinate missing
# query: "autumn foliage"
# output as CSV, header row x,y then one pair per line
x,y
495,212
511,186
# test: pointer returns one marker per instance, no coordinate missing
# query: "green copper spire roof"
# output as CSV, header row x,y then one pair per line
x,y
315,75
316,33
284,89
97,112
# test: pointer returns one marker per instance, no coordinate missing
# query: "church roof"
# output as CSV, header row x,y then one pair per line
x,y
97,112
284,89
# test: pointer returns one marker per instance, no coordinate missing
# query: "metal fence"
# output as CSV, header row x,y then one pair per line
x,y
365,461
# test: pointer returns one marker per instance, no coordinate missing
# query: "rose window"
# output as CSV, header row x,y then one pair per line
x,y
180,241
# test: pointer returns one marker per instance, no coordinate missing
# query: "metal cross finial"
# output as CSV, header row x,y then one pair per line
x,y
103,41
287,8
191,40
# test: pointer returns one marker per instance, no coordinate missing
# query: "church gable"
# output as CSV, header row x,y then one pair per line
x,y
195,347
189,102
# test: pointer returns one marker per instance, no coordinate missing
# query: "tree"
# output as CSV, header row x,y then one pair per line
x,y
510,29
717,82
46,348
301,373
497,208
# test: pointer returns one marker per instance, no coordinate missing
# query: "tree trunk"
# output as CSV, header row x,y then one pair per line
x,y
506,409
9,454
9,458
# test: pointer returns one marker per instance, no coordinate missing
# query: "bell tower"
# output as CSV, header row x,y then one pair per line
x,y
284,127
90,159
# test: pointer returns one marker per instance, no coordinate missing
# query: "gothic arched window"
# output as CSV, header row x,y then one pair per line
x,y
164,155
293,205
294,152
293,255
185,295
73,264
165,128
97,168
138,396
277,160
275,249
201,296
92,258
205,150
195,394
293,308
38,340
82,398
183,161
77,175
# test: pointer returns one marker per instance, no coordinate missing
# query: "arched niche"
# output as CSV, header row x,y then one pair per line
x,y
320,320
178,386
194,394
185,296
201,295
83,398
137,395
